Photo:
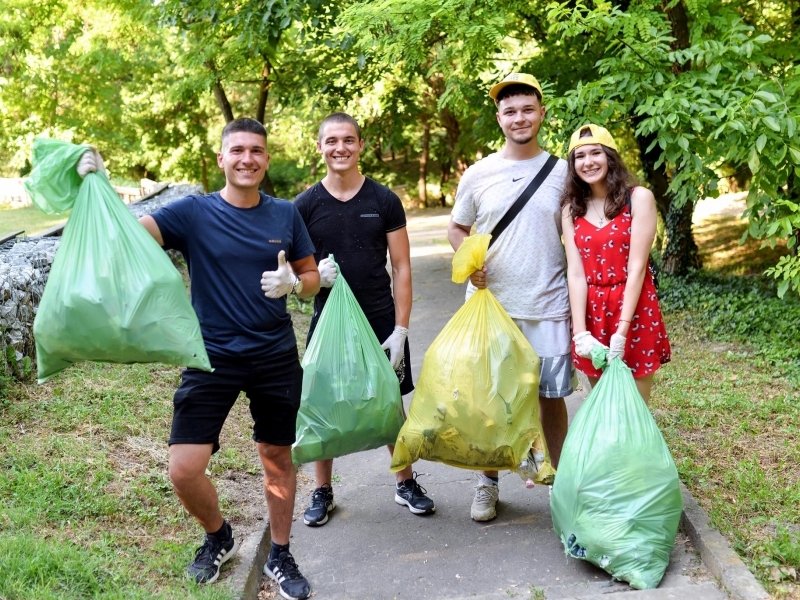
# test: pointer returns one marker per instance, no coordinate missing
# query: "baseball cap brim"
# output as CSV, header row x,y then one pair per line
x,y
515,79
599,135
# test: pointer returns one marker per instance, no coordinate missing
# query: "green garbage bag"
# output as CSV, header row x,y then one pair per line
x,y
616,500
113,294
351,397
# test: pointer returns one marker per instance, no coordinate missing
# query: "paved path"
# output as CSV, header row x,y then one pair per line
x,y
374,549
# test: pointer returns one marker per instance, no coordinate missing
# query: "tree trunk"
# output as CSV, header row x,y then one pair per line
x,y
423,162
219,94
447,166
680,254
267,186
656,177
263,92
204,174
453,132
793,191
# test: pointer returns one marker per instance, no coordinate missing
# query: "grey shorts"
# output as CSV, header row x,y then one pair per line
x,y
551,340
556,376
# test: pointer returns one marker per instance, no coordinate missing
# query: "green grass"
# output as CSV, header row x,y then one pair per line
x,y
29,218
86,506
85,502
728,403
744,310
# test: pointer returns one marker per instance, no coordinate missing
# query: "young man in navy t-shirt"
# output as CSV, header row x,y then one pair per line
x,y
357,220
236,243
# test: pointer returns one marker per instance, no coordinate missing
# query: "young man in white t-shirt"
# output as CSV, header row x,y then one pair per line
x,y
525,267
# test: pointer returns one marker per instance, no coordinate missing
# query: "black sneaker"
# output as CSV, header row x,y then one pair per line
x,y
321,504
411,494
292,584
209,557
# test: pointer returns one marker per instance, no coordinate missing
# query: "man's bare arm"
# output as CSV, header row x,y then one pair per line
x,y
151,226
306,270
456,233
400,257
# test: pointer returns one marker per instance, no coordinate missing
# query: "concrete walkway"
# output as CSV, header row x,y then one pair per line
x,y
373,548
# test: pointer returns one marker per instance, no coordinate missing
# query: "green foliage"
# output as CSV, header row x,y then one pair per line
x,y
148,82
5,381
289,178
742,310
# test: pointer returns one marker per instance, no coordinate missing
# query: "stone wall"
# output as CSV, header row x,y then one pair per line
x,y
24,267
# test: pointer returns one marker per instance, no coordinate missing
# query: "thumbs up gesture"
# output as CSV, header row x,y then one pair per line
x,y
277,284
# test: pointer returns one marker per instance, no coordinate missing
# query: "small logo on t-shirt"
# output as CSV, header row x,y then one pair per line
x,y
370,215
517,179
274,241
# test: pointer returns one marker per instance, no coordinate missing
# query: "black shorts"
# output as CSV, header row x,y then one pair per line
x,y
383,326
203,400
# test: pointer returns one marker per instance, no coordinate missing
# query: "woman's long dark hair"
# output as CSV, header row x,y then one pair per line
x,y
619,182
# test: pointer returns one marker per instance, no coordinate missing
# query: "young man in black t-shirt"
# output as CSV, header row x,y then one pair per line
x,y
357,220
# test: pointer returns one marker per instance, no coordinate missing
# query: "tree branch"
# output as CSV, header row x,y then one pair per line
x,y
219,93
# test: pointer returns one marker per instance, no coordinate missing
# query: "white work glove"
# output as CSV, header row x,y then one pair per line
x,y
396,344
584,342
617,344
276,284
91,162
327,272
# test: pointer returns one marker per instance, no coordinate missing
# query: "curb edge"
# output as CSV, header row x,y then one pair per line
x,y
716,553
252,556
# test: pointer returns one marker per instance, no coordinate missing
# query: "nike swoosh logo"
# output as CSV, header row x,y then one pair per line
x,y
517,179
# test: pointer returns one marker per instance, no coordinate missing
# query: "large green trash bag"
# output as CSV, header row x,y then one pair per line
x,y
113,294
351,397
476,405
616,500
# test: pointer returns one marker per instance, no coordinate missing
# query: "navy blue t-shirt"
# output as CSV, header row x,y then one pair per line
x,y
355,233
227,249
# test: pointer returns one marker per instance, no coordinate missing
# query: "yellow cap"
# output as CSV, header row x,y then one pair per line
x,y
514,78
599,135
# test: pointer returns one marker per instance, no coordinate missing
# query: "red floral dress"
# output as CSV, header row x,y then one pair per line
x,y
605,252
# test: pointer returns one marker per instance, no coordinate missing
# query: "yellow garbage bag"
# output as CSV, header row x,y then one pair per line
x,y
476,404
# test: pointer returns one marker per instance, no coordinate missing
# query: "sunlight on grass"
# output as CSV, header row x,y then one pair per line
x,y
727,403
718,240
29,219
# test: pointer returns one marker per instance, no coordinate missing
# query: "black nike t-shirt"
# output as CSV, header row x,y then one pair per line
x,y
355,233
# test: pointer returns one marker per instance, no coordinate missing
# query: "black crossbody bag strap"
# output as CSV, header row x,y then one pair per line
x,y
526,195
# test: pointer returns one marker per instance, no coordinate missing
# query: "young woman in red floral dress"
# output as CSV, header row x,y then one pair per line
x,y
608,227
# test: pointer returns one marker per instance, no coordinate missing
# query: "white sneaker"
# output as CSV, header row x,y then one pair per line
x,y
485,501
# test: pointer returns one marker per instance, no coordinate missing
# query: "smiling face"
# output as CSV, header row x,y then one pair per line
x,y
591,163
244,159
520,118
340,146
